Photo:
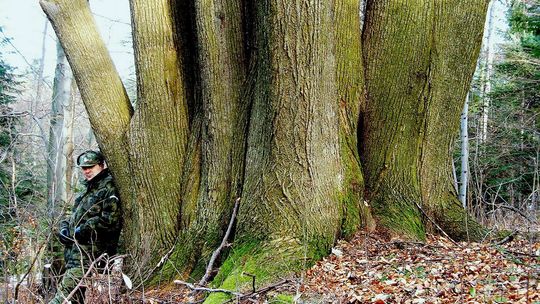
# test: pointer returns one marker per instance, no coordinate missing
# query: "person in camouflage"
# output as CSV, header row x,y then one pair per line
x,y
92,229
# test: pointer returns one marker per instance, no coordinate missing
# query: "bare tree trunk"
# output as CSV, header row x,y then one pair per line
x,y
56,162
39,75
101,89
214,169
488,70
69,118
292,144
464,174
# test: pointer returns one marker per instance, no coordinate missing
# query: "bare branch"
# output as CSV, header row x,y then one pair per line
x,y
528,218
261,291
90,268
14,114
223,244
435,224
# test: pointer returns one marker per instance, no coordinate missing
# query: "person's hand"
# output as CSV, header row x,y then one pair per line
x,y
64,236
78,234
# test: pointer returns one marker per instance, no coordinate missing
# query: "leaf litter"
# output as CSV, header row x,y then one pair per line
x,y
368,269
371,269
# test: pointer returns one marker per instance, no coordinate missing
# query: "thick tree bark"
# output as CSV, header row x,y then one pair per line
x,y
420,57
214,169
292,145
158,131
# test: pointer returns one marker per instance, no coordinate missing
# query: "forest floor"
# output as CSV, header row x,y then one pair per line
x,y
370,269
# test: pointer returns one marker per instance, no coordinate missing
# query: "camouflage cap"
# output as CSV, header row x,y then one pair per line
x,y
90,158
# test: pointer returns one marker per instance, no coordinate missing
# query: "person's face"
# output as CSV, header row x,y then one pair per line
x,y
90,172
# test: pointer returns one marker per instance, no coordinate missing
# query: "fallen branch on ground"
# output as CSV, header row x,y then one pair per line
x,y
205,289
261,291
507,239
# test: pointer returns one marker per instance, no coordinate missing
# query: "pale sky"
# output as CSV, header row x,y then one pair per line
x,y
24,22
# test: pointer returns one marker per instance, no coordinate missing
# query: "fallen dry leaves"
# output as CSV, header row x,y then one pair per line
x,y
370,270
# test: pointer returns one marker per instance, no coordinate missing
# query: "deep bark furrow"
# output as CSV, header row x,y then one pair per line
x,y
351,102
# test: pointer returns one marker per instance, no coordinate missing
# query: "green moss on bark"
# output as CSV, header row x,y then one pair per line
x,y
396,211
267,261
455,221
353,189
351,218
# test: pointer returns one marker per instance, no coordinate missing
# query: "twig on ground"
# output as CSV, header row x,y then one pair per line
x,y
204,279
205,289
253,277
261,291
532,255
159,264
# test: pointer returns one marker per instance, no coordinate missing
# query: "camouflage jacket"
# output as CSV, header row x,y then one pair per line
x,y
97,215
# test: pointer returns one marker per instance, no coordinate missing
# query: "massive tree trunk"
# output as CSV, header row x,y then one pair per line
x,y
420,58
292,143
262,101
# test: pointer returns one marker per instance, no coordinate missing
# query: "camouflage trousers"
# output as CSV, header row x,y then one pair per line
x,y
72,278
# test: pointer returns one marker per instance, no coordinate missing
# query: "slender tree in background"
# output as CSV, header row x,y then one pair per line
x,y
69,147
509,161
464,172
266,101
487,71
60,130
56,160
41,65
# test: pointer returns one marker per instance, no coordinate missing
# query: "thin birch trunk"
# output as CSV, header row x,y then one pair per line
x,y
464,176
486,89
